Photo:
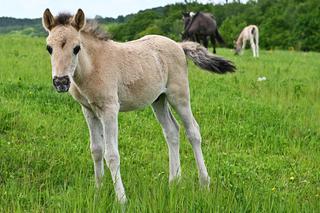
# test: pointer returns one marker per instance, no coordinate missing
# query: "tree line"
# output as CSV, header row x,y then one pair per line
x,y
283,24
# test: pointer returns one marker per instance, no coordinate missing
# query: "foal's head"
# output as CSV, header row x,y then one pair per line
x,y
237,47
63,45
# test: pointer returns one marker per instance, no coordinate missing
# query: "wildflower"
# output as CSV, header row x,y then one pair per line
x,y
263,78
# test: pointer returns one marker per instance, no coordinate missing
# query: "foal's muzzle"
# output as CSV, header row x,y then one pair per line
x,y
62,84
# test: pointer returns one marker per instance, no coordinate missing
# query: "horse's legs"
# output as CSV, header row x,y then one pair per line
x,y
253,46
205,42
109,119
213,42
170,129
96,143
197,38
178,97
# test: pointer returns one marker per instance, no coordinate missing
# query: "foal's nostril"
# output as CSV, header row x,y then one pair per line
x,y
64,80
61,84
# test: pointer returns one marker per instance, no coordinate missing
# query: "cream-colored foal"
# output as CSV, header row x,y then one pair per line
x,y
107,77
250,33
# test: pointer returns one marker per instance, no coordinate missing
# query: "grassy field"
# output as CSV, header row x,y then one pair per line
x,y
261,140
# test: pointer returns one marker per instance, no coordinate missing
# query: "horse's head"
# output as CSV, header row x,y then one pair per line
x,y
185,14
237,47
63,45
186,19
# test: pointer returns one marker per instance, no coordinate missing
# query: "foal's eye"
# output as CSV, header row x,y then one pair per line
x,y
49,49
76,49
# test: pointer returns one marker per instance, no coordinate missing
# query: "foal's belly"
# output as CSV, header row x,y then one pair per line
x,y
134,103
139,97
143,83
131,106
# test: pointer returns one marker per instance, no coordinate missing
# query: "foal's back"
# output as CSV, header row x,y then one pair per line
x,y
248,31
156,46
147,65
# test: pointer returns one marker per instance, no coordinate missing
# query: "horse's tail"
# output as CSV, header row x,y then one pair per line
x,y
218,37
205,60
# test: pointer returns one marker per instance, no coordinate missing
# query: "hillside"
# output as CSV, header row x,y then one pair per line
x,y
260,140
286,24
31,27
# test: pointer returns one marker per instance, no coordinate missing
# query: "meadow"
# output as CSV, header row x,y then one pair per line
x,y
261,140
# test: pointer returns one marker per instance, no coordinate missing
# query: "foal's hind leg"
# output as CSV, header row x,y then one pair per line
x,y
170,129
257,45
178,97
253,47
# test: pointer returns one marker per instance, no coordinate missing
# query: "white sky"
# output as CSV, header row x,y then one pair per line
x,y
105,8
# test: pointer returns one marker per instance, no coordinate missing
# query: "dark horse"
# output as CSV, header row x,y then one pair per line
x,y
199,27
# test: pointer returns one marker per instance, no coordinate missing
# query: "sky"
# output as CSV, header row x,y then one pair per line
x,y
104,8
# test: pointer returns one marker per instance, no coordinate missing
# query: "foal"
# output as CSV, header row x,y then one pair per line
x,y
251,33
107,77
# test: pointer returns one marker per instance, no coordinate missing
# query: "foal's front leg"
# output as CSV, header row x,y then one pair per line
x,y
244,42
96,143
109,119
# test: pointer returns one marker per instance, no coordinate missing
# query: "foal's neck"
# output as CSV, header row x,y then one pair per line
x,y
86,59
239,41
84,66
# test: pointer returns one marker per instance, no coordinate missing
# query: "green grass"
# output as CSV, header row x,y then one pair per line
x,y
261,140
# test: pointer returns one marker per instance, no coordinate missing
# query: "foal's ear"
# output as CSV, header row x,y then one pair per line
x,y
78,20
47,20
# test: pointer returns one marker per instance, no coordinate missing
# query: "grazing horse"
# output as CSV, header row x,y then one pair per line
x,y
199,26
251,33
107,77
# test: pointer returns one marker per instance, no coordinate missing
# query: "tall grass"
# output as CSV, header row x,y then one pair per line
x,y
261,140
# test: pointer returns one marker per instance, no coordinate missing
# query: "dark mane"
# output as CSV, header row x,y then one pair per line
x,y
63,19
192,20
92,27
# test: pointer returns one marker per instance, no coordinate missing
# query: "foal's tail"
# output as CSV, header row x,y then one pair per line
x,y
205,60
255,33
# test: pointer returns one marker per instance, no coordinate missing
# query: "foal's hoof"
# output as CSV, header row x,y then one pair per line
x,y
174,180
122,200
205,181
98,185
